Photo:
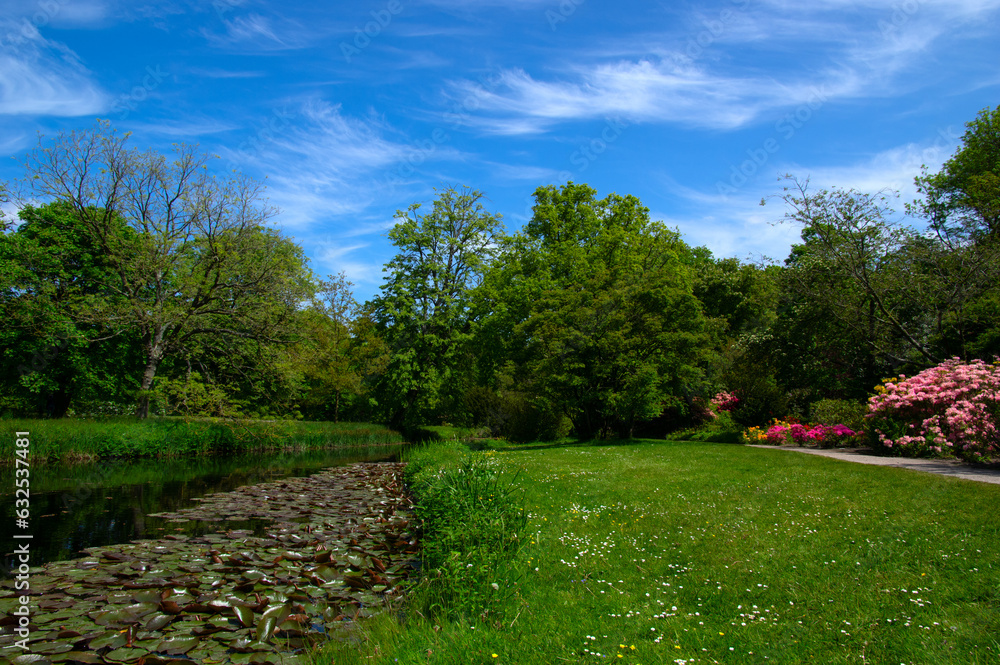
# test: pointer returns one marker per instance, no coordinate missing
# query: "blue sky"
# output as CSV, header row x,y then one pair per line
x,y
354,110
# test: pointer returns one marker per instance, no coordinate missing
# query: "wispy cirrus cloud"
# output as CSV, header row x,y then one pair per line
x,y
323,163
849,51
640,91
39,77
256,32
216,73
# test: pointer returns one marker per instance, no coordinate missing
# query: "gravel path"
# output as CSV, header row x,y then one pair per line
x,y
944,467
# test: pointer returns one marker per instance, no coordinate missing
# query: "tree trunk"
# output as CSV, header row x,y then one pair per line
x,y
152,362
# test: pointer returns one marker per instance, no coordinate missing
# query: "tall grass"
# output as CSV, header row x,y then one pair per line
x,y
473,528
78,439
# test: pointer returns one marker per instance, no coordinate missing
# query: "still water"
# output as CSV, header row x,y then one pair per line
x,y
87,505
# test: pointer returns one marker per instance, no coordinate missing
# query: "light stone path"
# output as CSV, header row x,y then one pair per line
x,y
944,467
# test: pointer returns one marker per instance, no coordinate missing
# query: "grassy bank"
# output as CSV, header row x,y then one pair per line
x,y
684,552
80,439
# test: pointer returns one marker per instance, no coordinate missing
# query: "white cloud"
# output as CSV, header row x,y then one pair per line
x,y
255,32
742,230
38,77
58,13
14,142
640,91
332,256
215,73
323,165
708,74
738,226
523,172
892,169
325,170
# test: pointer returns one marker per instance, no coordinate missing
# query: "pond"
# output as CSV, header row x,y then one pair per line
x,y
74,507
252,560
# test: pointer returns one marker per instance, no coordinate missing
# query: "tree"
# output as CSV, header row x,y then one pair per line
x,y
898,292
424,308
598,314
962,205
962,200
4,199
339,354
50,271
854,261
742,297
199,261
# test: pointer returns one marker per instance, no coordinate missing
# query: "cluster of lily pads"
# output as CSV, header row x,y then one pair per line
x,y
338,547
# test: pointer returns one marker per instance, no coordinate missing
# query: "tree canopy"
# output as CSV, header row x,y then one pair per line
x,y
141,281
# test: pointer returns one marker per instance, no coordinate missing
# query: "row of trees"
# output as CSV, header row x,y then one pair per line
x,y
151,283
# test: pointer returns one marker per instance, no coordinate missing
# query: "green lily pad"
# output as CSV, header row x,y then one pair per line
x,y
158,622
30,659
77,656
125,655
270,620
111,640
178,645
244,614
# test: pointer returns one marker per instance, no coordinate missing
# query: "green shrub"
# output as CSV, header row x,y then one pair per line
x,y
839,412
473,530
720,429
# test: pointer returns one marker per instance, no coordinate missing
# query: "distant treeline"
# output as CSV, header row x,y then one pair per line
x,y
145,285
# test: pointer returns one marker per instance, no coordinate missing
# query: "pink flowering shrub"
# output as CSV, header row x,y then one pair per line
x,y
952,408
781,432
725,401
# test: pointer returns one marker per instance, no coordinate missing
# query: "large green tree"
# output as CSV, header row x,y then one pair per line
x,y
425,308
50,272
199,261
596,312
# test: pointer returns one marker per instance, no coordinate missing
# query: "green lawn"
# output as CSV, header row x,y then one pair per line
x,y
678,552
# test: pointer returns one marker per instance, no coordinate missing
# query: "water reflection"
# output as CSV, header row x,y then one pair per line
x,y
80,506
